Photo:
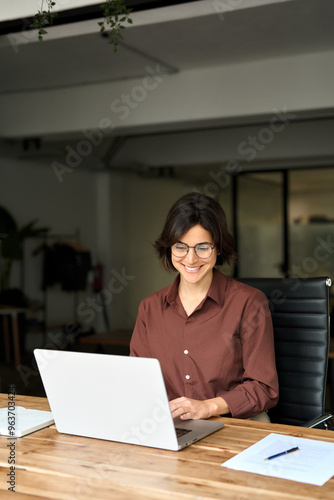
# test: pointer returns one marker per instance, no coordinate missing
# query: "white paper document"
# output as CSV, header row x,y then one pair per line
x,y
313,463
22,421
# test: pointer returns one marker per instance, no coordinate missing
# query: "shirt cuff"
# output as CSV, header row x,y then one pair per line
x,y
239,405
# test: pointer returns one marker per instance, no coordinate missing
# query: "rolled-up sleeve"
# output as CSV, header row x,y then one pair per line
x,y
258,387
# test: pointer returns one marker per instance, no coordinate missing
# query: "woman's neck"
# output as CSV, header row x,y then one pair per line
x,y
194,291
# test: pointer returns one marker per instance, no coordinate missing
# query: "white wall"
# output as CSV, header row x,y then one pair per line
x,y
302,83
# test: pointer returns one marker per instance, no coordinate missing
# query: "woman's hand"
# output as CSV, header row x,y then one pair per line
x,y
187,408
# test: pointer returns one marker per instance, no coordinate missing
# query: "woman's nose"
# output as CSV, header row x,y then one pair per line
x,y
191,255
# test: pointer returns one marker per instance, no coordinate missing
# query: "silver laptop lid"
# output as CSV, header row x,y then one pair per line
x,y
118,398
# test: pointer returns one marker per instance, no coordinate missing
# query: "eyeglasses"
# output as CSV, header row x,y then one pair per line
x,y
202,250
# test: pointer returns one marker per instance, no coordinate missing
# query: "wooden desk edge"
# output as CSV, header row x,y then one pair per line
x,y
41,403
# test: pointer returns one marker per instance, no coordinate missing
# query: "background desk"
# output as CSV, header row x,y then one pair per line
x,y
117,339
59,466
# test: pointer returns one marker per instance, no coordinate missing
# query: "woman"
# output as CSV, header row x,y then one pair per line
x,y
212,334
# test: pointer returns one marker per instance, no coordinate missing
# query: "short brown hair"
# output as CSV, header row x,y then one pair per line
x,y
189,211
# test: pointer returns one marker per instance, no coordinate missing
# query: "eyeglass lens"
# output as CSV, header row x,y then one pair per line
x,y
202,250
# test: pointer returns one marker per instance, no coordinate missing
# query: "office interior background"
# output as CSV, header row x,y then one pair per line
x,y
230,98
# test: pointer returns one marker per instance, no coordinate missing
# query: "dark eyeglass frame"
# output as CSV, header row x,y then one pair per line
x,y
188,247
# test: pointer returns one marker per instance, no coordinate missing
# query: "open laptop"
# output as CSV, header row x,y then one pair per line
x,y
118,398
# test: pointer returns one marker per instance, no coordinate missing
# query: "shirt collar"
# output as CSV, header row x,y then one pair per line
x,y
172,291
217,288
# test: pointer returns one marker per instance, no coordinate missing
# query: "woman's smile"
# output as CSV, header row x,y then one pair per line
x,y
192,269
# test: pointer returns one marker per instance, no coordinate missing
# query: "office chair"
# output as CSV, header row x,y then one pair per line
x,y
300,314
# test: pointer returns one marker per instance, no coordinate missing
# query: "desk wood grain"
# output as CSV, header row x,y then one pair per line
x,y
51,465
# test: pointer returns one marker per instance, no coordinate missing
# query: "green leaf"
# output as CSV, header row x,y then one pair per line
x,y
115,13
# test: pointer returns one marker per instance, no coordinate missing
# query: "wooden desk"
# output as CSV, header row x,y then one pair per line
x,y
58,466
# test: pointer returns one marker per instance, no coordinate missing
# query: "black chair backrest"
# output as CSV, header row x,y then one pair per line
x,y
300,314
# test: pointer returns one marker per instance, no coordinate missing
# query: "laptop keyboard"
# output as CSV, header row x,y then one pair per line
x,y
181,432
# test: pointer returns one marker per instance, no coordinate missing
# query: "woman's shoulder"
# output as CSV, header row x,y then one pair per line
x,y
234,286
157,297
163,292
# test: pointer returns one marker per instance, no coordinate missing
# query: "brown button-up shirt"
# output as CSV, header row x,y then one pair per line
x,y
224,348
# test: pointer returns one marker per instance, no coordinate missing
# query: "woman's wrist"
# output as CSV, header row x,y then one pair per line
x,y
218,406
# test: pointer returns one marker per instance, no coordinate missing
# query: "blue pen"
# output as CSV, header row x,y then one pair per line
x,y
283,453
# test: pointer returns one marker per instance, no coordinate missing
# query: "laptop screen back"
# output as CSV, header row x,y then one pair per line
x,y
118,398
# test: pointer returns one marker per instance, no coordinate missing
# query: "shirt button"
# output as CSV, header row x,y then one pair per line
x,y
187,377
186,351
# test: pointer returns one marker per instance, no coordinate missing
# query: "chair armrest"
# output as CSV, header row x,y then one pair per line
x,y
326,419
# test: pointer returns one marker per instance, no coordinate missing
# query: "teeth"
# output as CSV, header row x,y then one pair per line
x,y
192,268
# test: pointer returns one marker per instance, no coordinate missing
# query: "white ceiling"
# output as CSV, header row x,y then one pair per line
x,y
199,34
77,55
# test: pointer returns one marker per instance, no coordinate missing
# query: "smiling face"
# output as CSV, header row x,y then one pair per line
x,y
193,269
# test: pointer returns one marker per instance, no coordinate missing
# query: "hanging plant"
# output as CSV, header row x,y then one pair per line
x,y
115,15
44,18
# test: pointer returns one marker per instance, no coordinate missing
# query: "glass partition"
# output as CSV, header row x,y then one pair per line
x,y
260,224
311,222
